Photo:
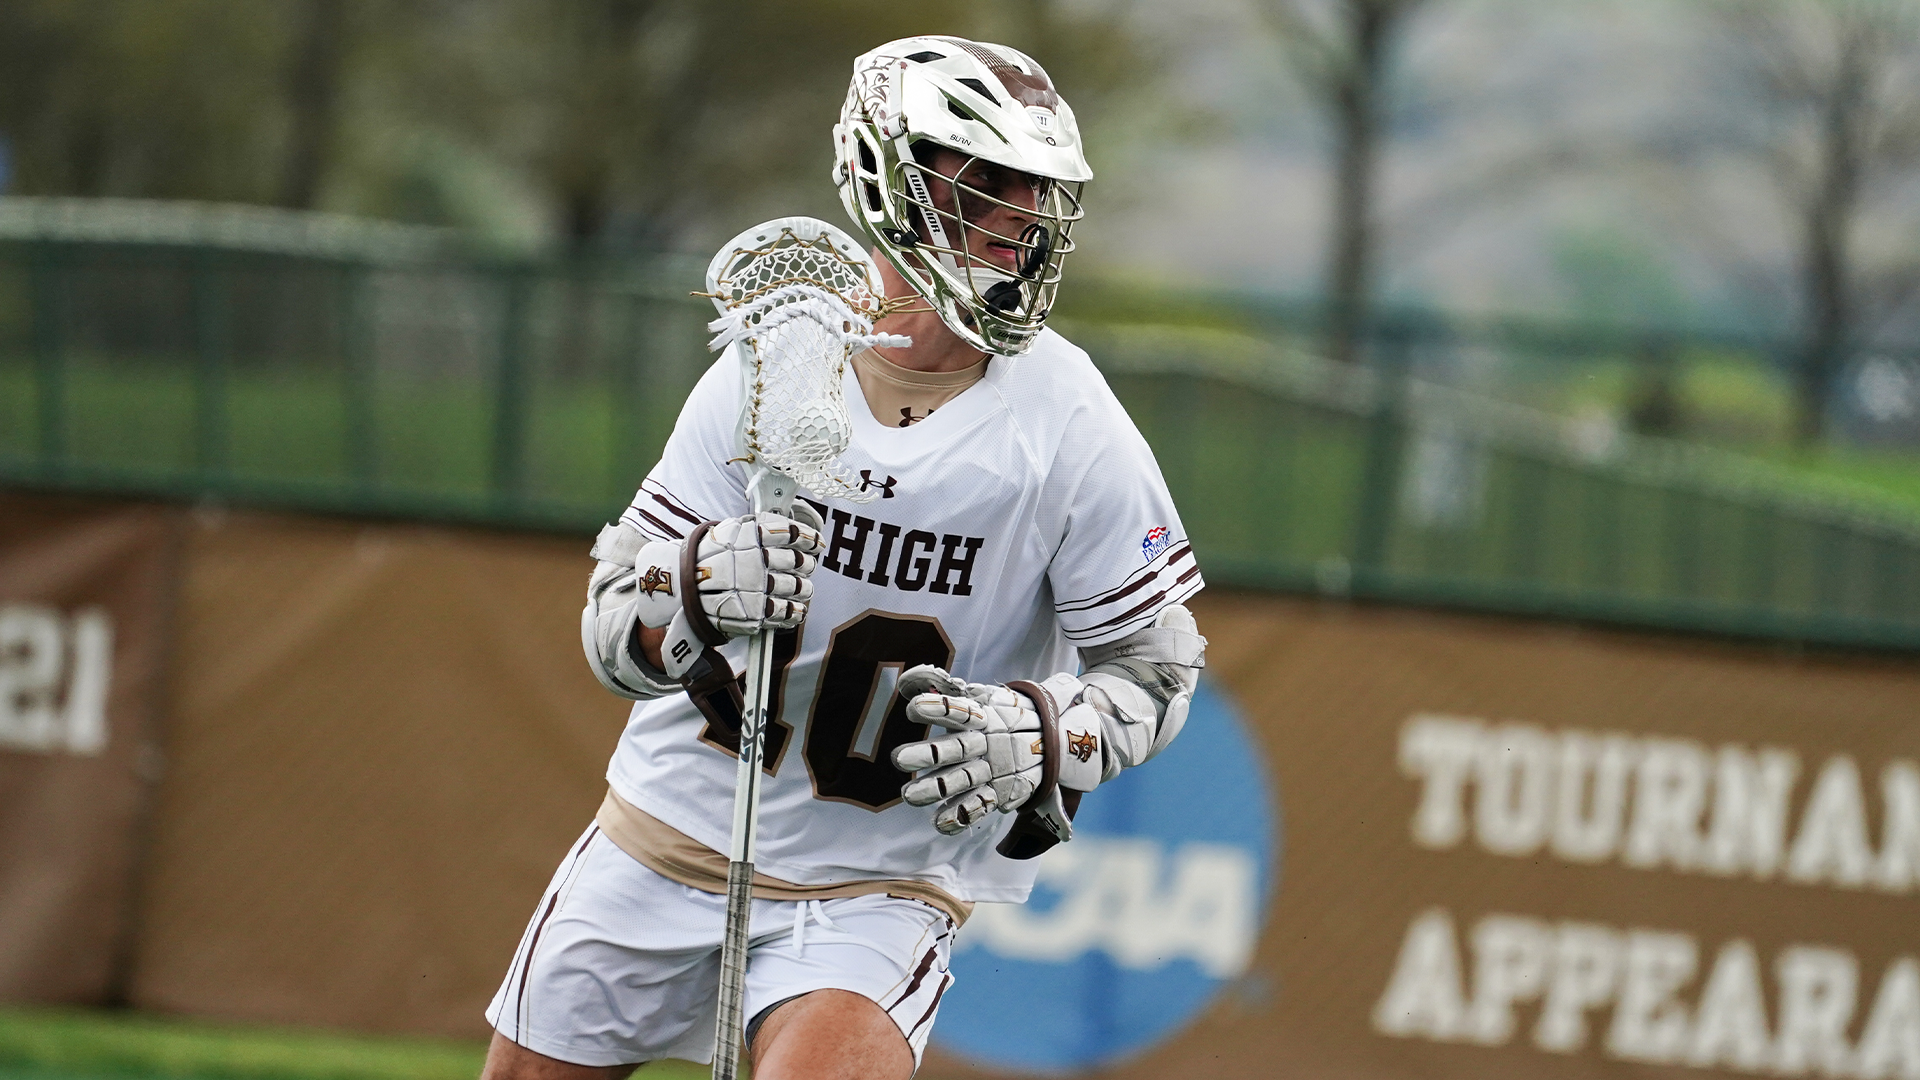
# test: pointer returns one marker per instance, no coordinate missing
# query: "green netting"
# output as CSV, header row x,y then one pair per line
x,y
396,377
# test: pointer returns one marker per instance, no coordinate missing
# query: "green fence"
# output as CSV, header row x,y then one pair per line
x,y
299,361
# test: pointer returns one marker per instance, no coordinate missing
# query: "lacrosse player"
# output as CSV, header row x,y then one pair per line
x,y
928,732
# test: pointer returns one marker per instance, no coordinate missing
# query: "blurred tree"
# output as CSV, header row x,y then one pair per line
x,y
643,123
1838,85
654,112
1612,276
1339,50
655,123
312,89
123,97
1653,398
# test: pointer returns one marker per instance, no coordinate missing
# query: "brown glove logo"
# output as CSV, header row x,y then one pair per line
x,y
1082,746
656,580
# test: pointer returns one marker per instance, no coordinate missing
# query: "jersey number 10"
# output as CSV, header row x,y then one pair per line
x,y
850,679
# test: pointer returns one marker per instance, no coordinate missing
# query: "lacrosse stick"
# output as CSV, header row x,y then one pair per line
x,y
797,297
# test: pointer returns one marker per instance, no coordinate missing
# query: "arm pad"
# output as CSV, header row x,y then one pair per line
x,y
609,633
1140,687
616,609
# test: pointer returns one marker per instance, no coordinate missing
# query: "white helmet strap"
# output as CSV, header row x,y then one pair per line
x,y
937,233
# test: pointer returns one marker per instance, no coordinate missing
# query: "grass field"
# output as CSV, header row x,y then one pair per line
x,y
586,442
1894,474
45,1044
1282,479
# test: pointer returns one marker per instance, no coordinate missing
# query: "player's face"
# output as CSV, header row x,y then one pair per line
x,y
998,204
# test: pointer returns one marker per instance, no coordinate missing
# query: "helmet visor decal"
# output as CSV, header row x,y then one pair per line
x,y
935,234
1031,89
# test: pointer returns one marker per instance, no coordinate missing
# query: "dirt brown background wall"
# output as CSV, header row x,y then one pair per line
x,y
74,765
382,739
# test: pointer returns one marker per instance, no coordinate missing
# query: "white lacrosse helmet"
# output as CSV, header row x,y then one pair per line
x,y
996,107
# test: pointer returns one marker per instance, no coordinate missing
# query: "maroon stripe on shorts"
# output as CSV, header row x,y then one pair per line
x,y
926,965
526,966
946,981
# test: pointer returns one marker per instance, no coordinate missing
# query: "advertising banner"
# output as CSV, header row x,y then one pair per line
x,y
1389,844
1492,848
83,602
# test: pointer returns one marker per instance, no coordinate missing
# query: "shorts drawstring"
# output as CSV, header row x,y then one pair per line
x,y
802,911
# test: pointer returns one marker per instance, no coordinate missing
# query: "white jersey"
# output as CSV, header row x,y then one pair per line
x,y
1021,520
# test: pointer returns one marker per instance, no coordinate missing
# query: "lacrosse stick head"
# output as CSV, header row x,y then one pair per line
x,y
797,298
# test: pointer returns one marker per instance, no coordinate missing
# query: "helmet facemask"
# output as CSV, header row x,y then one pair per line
x,y
995,307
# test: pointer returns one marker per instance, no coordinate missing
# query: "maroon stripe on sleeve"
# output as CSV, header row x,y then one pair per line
x,y
1176,554
1143,605
662,526
674,506
1176,593
1108,598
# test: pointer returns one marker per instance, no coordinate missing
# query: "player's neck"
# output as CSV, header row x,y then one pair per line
x,y
935,347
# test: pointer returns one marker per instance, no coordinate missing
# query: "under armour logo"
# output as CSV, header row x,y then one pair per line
x,y
907,417
867,481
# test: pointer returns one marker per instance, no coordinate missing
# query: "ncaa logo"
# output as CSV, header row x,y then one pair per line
x,y
1137,923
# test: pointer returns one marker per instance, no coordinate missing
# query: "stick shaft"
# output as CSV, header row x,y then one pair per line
x,y
730,1021
730,1030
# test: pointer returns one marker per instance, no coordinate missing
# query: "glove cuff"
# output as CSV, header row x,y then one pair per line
x,y
1051,751
690,576
1075,745
1040,824
699,668
656,572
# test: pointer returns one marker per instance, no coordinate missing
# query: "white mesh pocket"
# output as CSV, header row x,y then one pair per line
x,y
799,296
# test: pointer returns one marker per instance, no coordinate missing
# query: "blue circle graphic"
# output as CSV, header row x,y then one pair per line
x,y
1135,925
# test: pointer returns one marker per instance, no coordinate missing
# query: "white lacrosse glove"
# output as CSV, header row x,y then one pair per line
x,y
750,573
1035,747
727,578
996,761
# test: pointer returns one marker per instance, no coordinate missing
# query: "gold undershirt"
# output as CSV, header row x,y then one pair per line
x,y
676,856
901,396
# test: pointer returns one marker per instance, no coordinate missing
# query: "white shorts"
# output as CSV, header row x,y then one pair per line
x,y
621,965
